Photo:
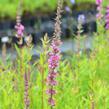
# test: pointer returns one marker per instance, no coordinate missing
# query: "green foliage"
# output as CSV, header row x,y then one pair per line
x,y
9,7
81,80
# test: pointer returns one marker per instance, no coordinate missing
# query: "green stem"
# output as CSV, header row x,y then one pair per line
x,y
42,72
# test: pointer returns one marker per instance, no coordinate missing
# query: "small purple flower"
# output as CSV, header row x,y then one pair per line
x,y
72,1
98,2
107,18
51,91
81,19
53,74
99,16
51,102
99,8
20,30
55,48
67,9
51,81
107,9
107,27
53,61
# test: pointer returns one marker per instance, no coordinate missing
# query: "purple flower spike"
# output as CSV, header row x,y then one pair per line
x,y
20,29
99,9
107,18
54,57
53,64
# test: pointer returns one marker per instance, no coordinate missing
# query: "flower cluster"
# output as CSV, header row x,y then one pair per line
x,y
53,62
19,27
107,18
99,9
20,30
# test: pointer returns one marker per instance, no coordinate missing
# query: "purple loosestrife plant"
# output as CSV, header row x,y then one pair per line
x,y
22,59
53,62
107,18
99,9
19,27
54,57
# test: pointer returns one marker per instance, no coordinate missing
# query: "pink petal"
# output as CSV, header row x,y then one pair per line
x,y
51,91
51,102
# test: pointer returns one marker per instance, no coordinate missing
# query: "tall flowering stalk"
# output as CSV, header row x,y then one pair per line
x,y
42,66
19,34
54,57
99,9
107,18
100,16
19,27
24,61
81,22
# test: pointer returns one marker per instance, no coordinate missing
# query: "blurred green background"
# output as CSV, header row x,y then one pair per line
x,y
8,7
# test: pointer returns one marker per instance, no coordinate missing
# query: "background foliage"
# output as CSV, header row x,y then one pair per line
x,y
8,7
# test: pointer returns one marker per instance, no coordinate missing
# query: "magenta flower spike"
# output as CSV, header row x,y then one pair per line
x,y
20,29
99,9
54,58
107,18
53,64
